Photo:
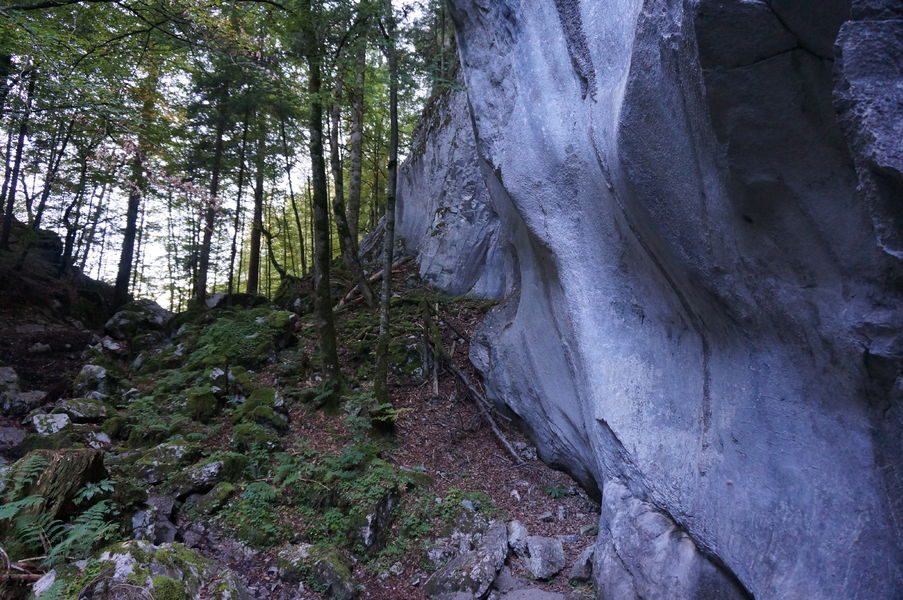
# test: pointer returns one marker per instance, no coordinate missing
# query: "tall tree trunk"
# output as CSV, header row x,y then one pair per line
x,y
137,189
200,290
322,287
72,227
6,67
347,244
17,163
257,224
241,185
357,143
7,170
291,193
381,384
52,170
89,237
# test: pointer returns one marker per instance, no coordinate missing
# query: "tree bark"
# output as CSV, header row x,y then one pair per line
x,y
381,384
257,223
241,184
52,169
347,244
137,189
322,287
291,193
357,142
17,163
200,291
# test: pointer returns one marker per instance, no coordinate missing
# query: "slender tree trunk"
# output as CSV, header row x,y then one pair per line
x,y
17,164
139,257
7,171
357,143
347,244
89,237
137,189
52,171
291,192
200,290
72,227
381,385
257,224
322,287
241,186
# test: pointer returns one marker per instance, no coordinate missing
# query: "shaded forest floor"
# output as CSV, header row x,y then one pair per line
x,y
240,387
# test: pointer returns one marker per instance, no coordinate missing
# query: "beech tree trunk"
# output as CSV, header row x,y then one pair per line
x,y
200,291
381,385
291,193
347,243
322,287
137,189
17,164
237,223
357,143
257,223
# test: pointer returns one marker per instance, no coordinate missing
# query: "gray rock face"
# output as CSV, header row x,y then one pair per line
x,y
702,266
444,214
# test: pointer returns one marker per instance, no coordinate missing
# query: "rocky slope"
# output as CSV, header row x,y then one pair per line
x,y
692,212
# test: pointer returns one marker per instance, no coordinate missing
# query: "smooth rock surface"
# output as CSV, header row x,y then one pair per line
x,y
702,266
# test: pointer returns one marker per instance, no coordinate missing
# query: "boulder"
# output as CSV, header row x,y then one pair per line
x,y
700,210
11,438
9,380
135,317
472,572
205,475
326,567
82,410
167,458
91,378
545,556
16,404
161,571
46,425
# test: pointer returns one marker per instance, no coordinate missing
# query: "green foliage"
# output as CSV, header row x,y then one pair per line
x,y
260,408
93,490
24,473
558,491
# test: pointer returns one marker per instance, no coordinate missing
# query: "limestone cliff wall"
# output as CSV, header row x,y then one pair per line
x,y
693,212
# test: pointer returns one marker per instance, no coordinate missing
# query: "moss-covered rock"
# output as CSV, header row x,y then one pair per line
x,y
142,570
324,568
264,408
165,460
83,410
204,475
202,403
213,500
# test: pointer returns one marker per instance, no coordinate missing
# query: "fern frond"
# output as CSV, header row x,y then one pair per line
x,y
11,510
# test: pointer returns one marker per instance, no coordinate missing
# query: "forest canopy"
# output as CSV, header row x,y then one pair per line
x,y
174,144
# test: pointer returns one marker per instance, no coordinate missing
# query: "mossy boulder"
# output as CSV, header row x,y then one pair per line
x,y
137,317
202,403
325,568
139,569
243,337
264,407
166,459
204,475
212,501
83,410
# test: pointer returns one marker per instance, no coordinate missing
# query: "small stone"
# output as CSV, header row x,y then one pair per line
x,y
562,513
11,437
99,440
468,505
582,570
39,348
547,517
589,530
517,537
43,584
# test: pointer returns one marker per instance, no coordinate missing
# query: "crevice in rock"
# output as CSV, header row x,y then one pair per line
x,y
799,41
578,48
